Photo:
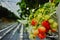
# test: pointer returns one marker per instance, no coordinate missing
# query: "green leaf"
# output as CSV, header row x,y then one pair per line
x,y
57,0
18,3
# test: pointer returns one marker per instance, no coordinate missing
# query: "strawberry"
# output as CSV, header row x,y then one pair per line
x,y
42,36
46,17
46,24
54,25
35,32
34,22
53,30
51,21
31,36
42,30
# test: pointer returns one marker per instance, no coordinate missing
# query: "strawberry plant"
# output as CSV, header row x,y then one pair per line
x,y
40,16
42,21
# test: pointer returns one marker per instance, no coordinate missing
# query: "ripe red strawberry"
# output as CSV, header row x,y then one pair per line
x,y
42,30
46,24
42,36
34,22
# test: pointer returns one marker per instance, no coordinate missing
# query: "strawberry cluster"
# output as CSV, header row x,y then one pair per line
x,y
42,22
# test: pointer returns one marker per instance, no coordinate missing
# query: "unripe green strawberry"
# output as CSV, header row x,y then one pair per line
x,y
46,17
31,36
34,27
51,20
54,25
39,16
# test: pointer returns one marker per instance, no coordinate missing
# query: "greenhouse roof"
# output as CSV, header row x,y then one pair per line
x,y
10,5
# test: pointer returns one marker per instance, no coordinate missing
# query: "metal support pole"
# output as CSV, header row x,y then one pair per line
x,y
58,15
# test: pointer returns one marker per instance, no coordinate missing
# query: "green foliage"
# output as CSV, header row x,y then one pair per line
x,y
30,4
23,9
57,0
44,12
